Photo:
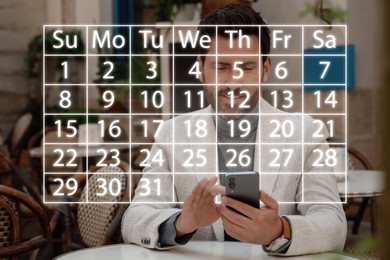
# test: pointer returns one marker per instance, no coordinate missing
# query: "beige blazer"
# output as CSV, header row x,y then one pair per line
x,y
317,225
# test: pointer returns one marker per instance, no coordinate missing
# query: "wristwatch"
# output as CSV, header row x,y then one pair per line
x,y
284,240
286,228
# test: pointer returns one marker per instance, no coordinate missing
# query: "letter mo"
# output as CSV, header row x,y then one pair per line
x,y
117,41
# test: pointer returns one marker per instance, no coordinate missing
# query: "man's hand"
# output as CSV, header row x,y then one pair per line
x,y
258,226
199,209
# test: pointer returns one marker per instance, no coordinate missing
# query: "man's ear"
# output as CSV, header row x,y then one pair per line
x,y
201,69
266,70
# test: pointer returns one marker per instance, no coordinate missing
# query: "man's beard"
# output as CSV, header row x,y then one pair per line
x,y
234,112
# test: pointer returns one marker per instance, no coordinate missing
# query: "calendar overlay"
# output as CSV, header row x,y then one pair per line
x,y
158,75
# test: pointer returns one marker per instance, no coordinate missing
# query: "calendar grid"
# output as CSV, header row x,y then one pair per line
x,y
173,117
345,117
168,26
302,115
177,114
87,119
130,174
174,85
259,128
208,173
195,55
216,104
200,143
194,84
182,202
44,110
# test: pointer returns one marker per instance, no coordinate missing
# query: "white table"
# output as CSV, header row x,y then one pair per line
x,y
362,183
205,250
365,184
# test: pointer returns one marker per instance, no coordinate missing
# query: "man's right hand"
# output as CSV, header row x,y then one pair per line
x,y
199,209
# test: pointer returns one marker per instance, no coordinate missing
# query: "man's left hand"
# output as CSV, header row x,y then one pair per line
x,y
257,226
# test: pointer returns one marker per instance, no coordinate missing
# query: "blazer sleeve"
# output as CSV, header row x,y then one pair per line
x,y
318,227
150,206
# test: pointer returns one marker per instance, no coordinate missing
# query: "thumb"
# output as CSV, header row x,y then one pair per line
x,y
268,200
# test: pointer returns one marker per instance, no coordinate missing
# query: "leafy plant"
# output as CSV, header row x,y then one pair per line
x,y
168,9
366,245
325,11
35,48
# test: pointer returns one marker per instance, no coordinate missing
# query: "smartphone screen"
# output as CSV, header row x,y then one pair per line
x,y
243,186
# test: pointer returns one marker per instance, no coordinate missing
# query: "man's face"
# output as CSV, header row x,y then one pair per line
x,y
237,76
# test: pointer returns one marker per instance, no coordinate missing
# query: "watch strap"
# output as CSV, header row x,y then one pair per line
x,y
286,228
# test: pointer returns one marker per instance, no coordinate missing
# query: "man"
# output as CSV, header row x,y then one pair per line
x,y
285,229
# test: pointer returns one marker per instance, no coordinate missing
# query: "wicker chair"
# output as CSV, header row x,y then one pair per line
x,y
98,222
19,181
19,133
101,229
10,245
51,135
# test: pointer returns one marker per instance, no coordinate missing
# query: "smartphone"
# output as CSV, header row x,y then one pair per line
x,y
243,186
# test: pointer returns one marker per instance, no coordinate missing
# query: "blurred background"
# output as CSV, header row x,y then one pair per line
x,y
21,45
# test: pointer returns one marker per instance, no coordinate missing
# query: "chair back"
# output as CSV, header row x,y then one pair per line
x,y
20,129
15,142
95,217
9,224
5,170
355,158
10,245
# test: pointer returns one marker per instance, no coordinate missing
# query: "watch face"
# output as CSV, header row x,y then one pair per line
x,y
278,243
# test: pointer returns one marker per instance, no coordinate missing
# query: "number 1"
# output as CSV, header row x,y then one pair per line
x,y
65,65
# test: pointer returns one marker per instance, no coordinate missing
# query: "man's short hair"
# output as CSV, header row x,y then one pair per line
x,y
236,17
